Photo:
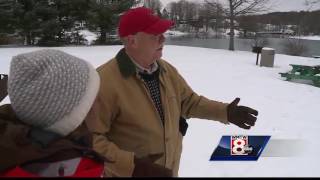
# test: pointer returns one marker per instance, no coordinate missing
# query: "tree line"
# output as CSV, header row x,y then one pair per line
x,y
303,22
56,22
243,16
246,16
214,14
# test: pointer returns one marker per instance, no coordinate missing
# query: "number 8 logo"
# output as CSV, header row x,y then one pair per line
x,y
238,146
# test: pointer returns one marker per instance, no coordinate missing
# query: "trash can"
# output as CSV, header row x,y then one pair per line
x,y
267,57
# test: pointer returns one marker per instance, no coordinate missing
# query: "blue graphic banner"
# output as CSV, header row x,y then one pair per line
x,y
240,148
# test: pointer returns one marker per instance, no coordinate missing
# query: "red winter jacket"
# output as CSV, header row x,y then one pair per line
x,y
23,156
85,168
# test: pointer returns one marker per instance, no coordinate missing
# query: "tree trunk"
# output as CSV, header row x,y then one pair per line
x,y
231,42
103,37
28,38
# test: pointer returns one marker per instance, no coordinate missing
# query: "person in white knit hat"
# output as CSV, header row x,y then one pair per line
x,y
43,131
52,90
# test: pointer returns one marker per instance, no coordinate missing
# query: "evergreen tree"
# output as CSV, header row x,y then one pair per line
x,y
26,21
104,15
50,26
58,21
53,22
6,16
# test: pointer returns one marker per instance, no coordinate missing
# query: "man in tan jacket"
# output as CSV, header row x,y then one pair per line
x,y
142,99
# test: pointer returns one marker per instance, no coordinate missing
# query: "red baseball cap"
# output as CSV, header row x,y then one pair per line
x,y
142,19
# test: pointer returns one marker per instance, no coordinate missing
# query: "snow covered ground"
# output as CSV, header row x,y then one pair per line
x,y
316,38
89,36
175,33
287,110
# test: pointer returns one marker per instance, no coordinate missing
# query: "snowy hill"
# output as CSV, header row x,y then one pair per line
x,y
287,110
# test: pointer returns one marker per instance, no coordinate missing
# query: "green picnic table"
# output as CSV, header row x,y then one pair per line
x,y
303,72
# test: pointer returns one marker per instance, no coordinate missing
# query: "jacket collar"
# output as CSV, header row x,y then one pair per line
x,y
127,67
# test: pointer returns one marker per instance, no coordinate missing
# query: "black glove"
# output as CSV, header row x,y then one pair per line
x,y
241,116
3,86
145,167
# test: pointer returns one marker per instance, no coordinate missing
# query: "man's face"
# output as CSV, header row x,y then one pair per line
x,y
150,45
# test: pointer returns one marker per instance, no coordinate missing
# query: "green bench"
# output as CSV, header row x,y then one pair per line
x,y
303,72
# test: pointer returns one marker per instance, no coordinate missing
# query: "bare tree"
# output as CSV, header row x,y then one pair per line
x,y
155,5
181,10
240,7
191,16
295,47
311,3
185,12
173,8
302,23
206,14
212,16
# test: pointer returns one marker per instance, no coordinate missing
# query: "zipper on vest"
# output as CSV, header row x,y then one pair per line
x,y
154,106
164,103
158,115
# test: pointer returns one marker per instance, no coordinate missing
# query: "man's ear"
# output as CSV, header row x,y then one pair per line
x,y
132,41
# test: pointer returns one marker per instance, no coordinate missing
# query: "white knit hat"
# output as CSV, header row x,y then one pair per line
x,y
52,90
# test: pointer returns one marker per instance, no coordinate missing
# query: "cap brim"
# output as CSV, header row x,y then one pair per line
x,y
159,27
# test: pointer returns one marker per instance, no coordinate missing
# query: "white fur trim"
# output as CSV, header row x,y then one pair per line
x,y
72,120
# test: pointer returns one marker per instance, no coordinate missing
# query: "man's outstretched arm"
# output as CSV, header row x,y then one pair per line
x,y
197,106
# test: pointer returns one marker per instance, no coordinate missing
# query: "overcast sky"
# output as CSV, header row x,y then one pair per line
x,y
277,5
